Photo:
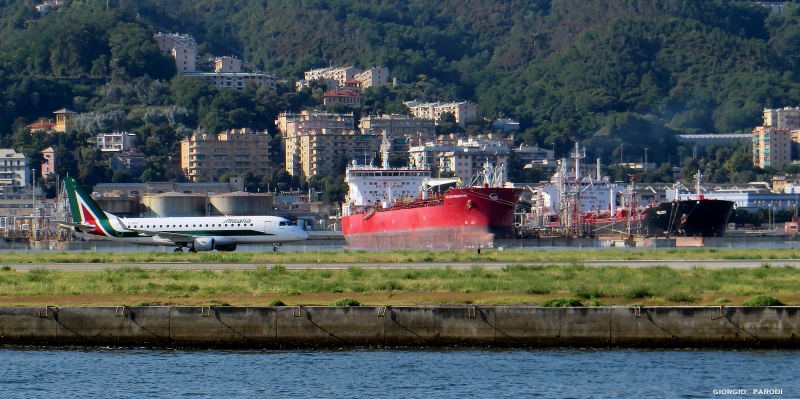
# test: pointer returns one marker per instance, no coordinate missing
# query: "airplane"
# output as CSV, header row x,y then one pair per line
x,y
206,233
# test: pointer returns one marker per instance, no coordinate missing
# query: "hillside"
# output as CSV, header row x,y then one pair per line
x,y
605,72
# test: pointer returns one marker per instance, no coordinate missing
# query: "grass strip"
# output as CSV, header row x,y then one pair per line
x,y
404,256
630,285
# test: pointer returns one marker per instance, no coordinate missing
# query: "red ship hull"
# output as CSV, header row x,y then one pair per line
x,y
461,218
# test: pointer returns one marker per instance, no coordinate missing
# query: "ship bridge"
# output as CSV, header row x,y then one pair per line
x,y
370,185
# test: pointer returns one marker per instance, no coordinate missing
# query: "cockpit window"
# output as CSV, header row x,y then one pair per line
x,y
282,224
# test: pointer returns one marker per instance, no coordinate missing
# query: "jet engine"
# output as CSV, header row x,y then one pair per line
x,y
212,243
203,244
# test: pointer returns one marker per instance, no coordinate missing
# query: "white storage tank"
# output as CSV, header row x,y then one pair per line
x,y
174,205
241,203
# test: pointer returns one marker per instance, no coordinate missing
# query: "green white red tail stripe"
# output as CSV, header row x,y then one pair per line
x,y
85,211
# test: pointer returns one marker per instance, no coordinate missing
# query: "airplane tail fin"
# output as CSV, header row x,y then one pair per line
x,y
83,208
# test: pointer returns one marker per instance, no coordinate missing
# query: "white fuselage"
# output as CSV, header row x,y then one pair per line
x,y
224,229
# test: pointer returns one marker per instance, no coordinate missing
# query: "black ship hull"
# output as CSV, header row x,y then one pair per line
x,y
688,218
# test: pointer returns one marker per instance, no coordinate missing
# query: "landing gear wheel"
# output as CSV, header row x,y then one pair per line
x,y
179,249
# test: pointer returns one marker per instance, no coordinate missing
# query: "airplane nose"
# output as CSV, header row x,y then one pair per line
x,y
302,234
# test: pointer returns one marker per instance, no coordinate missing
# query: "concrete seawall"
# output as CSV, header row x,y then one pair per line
x,y
321,326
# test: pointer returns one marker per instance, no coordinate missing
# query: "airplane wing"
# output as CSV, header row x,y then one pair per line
x,y
83,228
174,237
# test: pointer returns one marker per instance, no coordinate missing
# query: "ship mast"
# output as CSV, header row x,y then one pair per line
x,y
698,185
571,196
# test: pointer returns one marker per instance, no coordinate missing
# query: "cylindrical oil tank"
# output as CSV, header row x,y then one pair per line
x,y
174,205
241,203
122,206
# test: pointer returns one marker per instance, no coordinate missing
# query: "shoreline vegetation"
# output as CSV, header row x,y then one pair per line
x,y
514,284
403,256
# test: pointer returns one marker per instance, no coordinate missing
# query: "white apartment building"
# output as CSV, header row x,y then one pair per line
x,y
786,117
463,111
115,142
373,77
228,74
338,74
236,80
14,168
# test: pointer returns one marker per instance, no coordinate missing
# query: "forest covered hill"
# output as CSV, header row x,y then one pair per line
x,y
629,73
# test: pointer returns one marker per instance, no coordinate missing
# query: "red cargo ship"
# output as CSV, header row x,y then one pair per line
x,y
396,209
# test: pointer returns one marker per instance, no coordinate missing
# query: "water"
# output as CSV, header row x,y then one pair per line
x,y
395,373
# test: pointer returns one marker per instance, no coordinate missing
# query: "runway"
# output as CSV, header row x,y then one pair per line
x,y
675,264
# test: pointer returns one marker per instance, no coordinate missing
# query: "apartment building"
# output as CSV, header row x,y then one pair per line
x,y
772,146
115,142
294,126
463,157
49,164
373,77
340,75
132,162
321,151
182,47
462,111
786,117
227,64
397,125
342,96
535,156
505,125
228,74
205,157
14,168
236,80
291,124
403,131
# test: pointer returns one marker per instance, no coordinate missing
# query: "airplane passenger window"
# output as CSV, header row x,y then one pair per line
x,y
160,225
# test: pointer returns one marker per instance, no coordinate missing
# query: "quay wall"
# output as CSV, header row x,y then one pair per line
x,y
325,326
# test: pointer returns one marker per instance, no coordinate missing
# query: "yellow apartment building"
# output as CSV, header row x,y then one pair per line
x,y
205,157
463,111
320,151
